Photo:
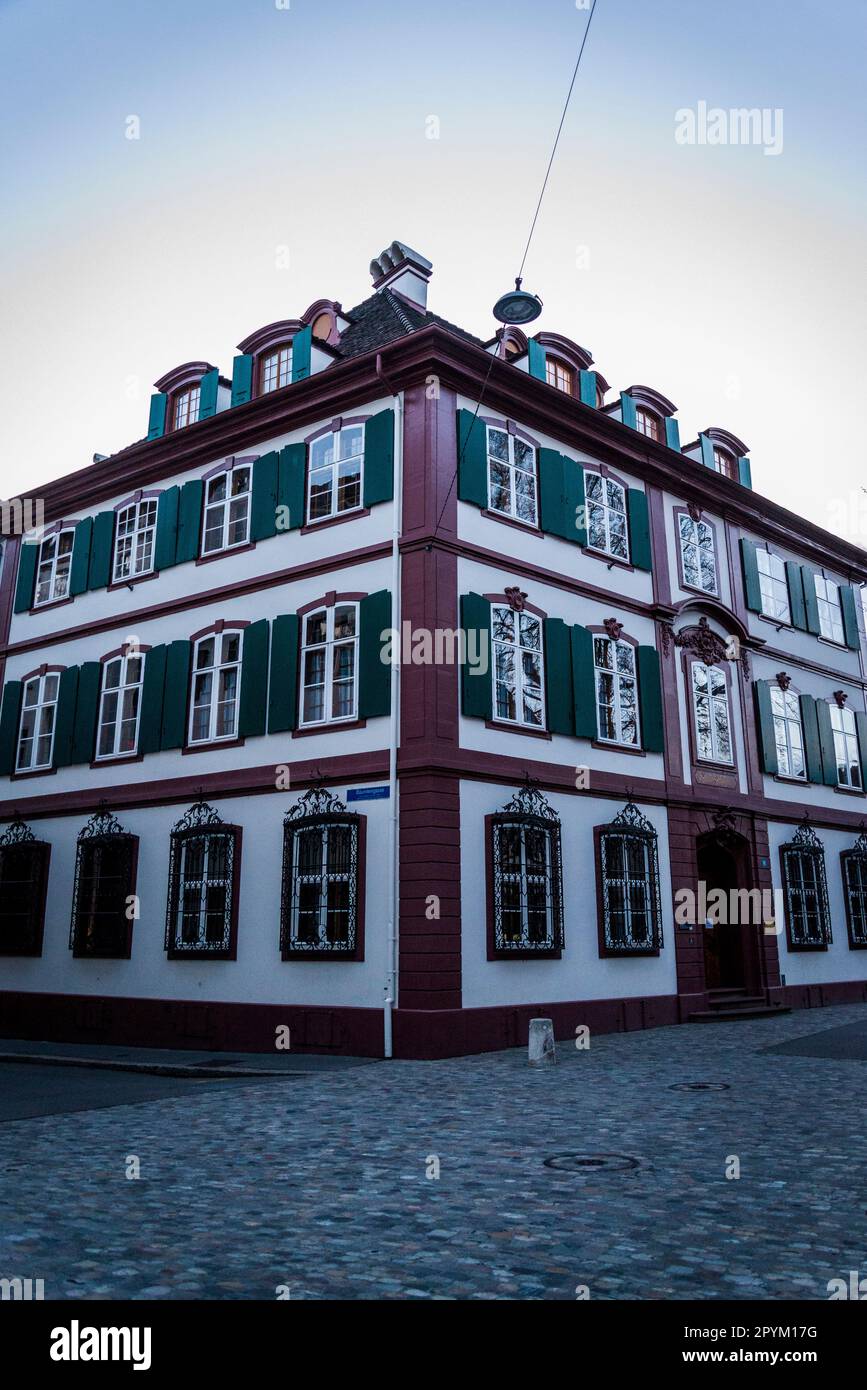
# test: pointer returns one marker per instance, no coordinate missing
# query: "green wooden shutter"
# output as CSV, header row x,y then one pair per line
x,y
379,458
826,741
639,529
301,345
552,493
672,433
153,684
765,720
861,726
476,677
745,473
576,507
707,457
750,567
627,410
208,388
559,699
242,378
812,744
583,682
850,617
650,700
263,512
86,709
472,459
175,695
587,388
157,421
536,360
81,556
29,554
190,521
283,692
166,545
10,715
254,680
374,674
811,602
64,719
797,606
291,477
101,551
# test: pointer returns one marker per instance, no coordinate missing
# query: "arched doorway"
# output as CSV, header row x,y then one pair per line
x,y
723,864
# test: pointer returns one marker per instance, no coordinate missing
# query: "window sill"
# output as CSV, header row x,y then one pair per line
x,y
702,593
506,727
54,603
326,521
346,957
35,772
529,527
102,955
131,583
791,781
212,745
611,561
807,946
605,745
849,791
229,550
543,953
332,727
199,955
9,953
628,952
119,761
780,623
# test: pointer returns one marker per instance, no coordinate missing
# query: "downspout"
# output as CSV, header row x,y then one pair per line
x,y
390,1000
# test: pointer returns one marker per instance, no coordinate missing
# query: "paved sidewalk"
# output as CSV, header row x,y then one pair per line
x,y
429,1180
173,1062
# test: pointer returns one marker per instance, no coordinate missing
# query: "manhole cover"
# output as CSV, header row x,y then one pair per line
x,y
593,1163
700,1086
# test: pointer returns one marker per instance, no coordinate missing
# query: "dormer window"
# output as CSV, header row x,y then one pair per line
x,y
648,425
277,369
186,408
559,375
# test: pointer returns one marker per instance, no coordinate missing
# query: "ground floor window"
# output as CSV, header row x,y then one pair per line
x,y
103,894
322,878
23,880
853,863
630,910
805,890
204,862
525,878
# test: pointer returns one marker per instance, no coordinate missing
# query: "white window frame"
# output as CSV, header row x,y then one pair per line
x,y
699,530
218,668
558,372
786,712
847,751
714,703
772,580
646,418
607,510
282,356
226,504
188,403
41,704
120,690
517,647
830,607
513,468
336,437
328,646
136,546
53,544
619,741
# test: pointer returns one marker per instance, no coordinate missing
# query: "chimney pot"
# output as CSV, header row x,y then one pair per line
x,y
403,270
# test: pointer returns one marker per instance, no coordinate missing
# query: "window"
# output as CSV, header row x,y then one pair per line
x,y
336,465
853,863
606,515
329,662
227,510
201,921
710,704
559,375
23,880
105,865
119,706
525,878
805,890
187,407
647,424
216,681
518,666
830,609
54,566
512,476
724,463
616,691
38,716
788,733
697,554
775,589
321,889
846,748
630,912
134,546
277,368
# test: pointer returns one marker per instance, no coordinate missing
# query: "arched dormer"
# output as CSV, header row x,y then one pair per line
x,y
566,366
283,353
327,321
185,395
646,410
724,453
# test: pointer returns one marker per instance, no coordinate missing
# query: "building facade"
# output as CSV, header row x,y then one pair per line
x,y
399,689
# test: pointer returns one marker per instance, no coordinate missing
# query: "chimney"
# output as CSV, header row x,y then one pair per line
x,y
403,270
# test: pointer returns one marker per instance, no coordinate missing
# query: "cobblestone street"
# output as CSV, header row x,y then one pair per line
x,y
322,1183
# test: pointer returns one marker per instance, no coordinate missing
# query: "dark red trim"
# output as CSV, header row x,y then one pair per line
x,y
331,727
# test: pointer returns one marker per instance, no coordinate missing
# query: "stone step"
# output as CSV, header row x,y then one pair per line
x,y
727,1015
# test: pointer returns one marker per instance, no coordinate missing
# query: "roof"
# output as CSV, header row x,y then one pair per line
x,y
386,316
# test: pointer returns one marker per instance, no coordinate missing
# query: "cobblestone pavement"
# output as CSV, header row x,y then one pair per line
x,y
322,1184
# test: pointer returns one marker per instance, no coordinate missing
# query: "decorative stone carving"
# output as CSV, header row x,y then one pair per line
x,y
784,680
517,599
613,628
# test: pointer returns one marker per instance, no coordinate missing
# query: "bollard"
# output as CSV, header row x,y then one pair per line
x,y
542,1050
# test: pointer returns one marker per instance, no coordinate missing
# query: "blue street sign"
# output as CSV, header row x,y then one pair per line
x,y
368,794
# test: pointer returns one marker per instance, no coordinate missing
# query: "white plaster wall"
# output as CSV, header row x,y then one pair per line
x,y
579,974
258,975
838,962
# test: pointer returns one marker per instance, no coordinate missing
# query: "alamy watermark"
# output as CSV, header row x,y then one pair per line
x,y
740,125
22,516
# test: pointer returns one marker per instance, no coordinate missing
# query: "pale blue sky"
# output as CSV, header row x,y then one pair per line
x,y
732,281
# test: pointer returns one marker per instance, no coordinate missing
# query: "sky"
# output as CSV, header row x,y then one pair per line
x,y
282,144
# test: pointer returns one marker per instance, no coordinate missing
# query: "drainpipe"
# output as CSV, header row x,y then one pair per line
x,y
393,845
